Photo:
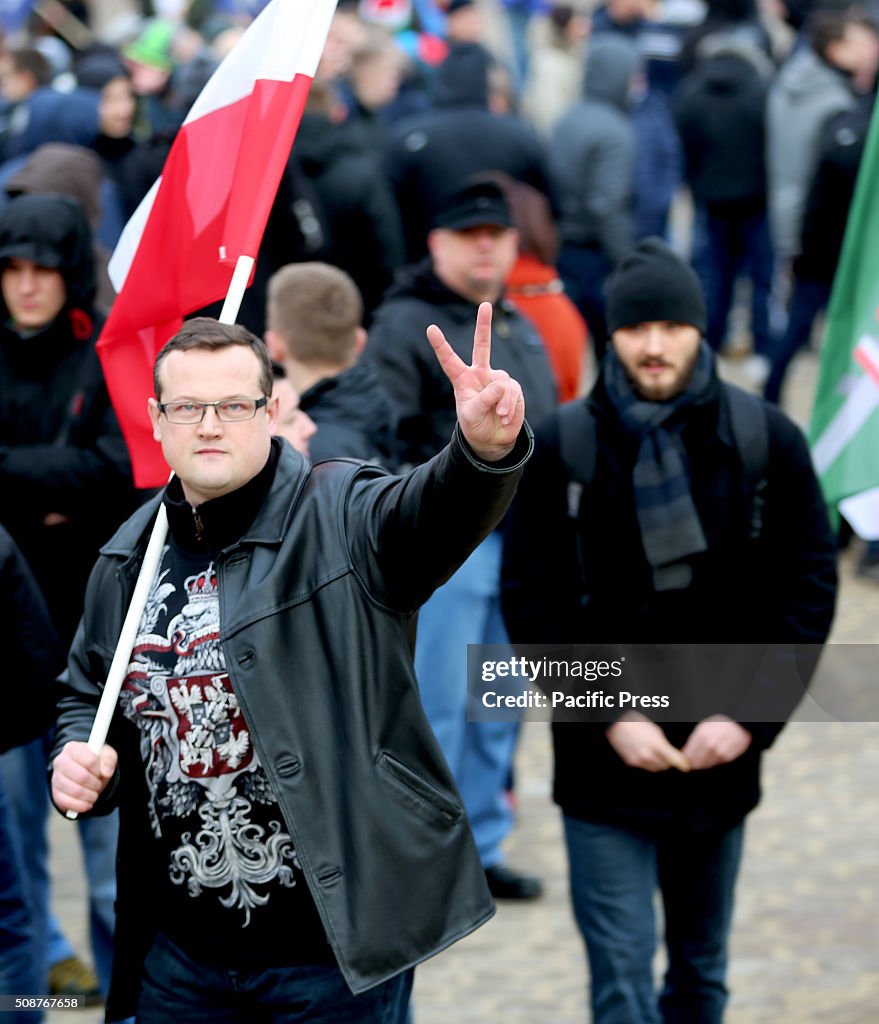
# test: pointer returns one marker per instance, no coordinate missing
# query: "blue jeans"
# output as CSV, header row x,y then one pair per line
x,y
519,21
23,771
19,959
584,271
614,874
808,300
466,610
175,988
733,246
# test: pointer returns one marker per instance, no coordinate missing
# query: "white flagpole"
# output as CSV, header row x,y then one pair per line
x,y
237,287
151,559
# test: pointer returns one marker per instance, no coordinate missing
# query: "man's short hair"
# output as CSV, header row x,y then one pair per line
x,y
317,310
826,26
30,60
203,332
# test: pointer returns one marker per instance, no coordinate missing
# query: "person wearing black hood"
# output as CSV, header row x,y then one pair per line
x,y
61,448
469,130
720,113
64,472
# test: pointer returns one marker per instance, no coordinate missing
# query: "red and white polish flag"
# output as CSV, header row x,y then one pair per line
x,y
208,207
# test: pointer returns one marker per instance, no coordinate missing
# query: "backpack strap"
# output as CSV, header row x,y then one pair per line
x,y
750,430
577,444
578,441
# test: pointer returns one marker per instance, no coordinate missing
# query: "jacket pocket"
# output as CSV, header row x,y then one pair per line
x,y
420,794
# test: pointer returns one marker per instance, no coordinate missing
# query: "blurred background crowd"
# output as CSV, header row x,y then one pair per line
x,y
731,127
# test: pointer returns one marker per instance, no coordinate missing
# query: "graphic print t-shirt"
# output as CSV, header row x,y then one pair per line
x,y
233,881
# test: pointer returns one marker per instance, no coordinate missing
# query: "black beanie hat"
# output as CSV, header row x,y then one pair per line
x,y
651,282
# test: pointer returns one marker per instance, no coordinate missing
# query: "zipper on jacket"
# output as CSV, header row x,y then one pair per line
x,y
199,525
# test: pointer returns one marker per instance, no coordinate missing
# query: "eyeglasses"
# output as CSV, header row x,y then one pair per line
x,y
229,410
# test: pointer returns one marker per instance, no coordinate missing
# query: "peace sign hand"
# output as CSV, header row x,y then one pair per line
x,y
489,403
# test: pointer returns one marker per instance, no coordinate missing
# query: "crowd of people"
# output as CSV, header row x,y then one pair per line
x,y
580,204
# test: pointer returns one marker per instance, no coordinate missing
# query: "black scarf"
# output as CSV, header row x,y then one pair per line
x,y
670,528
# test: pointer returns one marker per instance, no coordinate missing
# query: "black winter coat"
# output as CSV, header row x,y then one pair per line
x,y
407,367
62,454
32,654
432,154
364,231
780,589
831,193
354,417
316,598
720,113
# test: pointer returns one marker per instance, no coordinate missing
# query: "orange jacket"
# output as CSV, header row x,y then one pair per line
x,y
536,290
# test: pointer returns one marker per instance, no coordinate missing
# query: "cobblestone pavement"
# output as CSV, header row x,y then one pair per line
x,y
805,946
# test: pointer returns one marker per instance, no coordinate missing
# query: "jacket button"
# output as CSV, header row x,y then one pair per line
x,y
288,765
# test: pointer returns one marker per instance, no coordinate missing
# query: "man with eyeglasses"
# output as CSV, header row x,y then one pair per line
x,y
292,841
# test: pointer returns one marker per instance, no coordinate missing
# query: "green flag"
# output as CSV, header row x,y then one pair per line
x,y
844,430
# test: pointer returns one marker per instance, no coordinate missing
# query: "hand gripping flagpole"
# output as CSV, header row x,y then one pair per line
x,y
151,559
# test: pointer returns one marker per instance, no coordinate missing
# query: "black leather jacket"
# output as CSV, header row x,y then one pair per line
x,y
315,601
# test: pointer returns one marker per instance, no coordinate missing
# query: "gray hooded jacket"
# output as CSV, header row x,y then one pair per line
x,y
806,93
593,149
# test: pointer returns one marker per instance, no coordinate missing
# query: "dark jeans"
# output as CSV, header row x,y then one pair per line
x,y
176,988
808,300
584,271
20,973
615,873
732,246
23,771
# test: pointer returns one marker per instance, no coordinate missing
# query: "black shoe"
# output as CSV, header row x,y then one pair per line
x,y
506,884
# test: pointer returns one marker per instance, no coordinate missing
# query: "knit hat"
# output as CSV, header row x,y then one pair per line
x,y
481,202
153,46
650,283
95,70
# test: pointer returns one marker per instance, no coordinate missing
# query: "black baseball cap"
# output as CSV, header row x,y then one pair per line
x,y
481,202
